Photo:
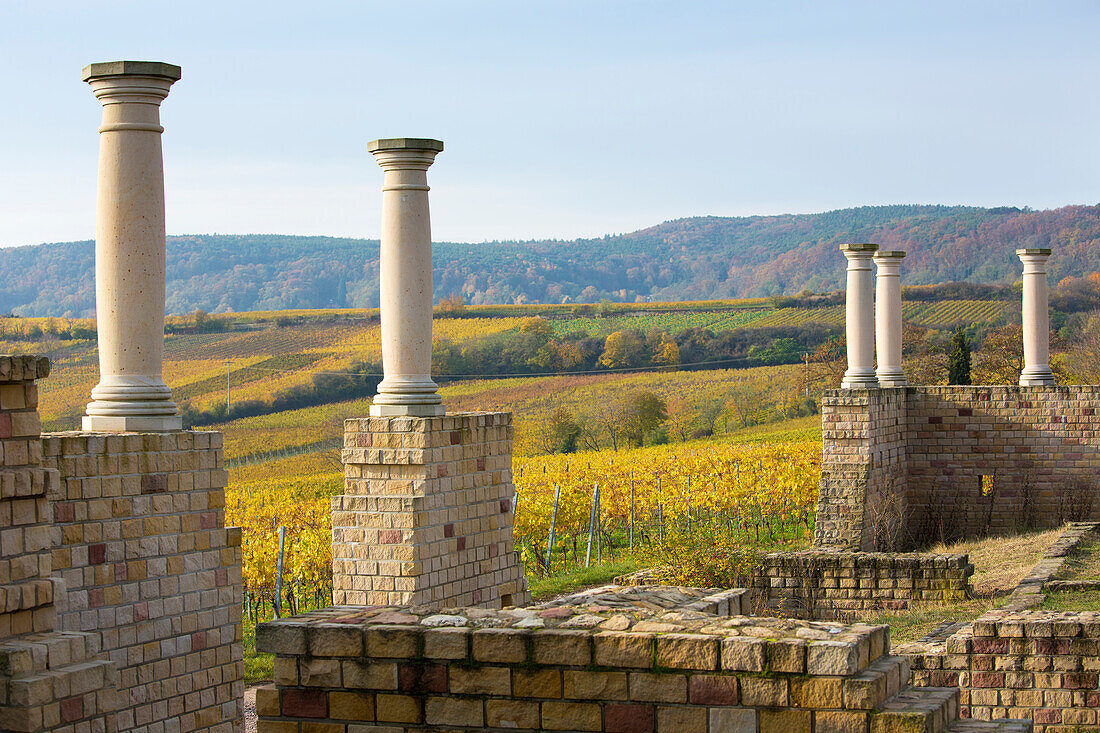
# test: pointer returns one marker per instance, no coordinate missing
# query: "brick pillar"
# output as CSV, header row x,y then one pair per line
x,y
50,680
427,513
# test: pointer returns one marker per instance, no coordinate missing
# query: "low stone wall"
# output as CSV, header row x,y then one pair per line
x,y
148,565
638,660
1033,664
427,512
841,585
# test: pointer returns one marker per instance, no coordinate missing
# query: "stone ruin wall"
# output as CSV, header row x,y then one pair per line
x,y
829,585
121,584
903,467
593,665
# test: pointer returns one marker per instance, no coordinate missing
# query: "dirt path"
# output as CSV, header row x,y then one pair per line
x,y
250,710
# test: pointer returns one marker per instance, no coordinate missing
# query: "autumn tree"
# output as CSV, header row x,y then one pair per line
x,y
665,351
1001,356
643,413
452,305
561,432
1084,352
623,349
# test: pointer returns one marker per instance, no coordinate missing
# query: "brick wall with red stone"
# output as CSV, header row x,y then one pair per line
x,y
148,565
427,513
1040,665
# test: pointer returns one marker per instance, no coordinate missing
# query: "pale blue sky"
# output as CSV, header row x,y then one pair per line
x,y
561,119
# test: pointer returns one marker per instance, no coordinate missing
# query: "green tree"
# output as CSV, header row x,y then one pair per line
x,y
958,366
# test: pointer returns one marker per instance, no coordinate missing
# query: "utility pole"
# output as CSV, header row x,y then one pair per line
x,y
228,395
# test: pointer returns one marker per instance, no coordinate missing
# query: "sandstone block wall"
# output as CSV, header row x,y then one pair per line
x,y
842,585
141,548
49,679
907,465
348,669
427,513
1036,664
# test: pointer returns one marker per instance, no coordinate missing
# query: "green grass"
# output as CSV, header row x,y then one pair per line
x,y
1072,601
549,586
915,622
257,667
1083,564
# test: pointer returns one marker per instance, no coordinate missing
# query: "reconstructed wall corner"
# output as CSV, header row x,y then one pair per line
x,y
149,566
49,679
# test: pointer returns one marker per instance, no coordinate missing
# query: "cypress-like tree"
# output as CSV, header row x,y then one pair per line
x,y
958,369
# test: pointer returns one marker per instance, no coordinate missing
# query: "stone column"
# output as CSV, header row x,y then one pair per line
x,y
860,317
1036,314
130,250
888,322
406,280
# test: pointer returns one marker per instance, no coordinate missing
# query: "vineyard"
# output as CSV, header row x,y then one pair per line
x,y
752,492
264,353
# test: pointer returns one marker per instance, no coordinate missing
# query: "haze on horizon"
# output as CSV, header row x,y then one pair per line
x,y
561,120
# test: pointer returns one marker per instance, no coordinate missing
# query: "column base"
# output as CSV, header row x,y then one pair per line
x,y
859,379
1037,381
131,423
436,410
892,378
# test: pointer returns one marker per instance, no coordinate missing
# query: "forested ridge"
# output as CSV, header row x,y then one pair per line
x,y
686,259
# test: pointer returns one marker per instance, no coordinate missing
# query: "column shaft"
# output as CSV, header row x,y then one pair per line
x,y
860,317
888,320
1036,317
406,280
130,250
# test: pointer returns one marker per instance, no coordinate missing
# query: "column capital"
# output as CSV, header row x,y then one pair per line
x,y
890,255
112,69
1034,259
404,143
405,154
864,249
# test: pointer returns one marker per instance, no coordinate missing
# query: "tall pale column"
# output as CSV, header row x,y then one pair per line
x,y
130,250
888,323
1036,314
406,279
860,317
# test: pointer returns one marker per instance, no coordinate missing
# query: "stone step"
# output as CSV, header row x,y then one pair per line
x,y
1005,725
35,654
78,696
917,710
877,683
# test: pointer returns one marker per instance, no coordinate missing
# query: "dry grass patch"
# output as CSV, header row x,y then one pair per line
x,y
1000,563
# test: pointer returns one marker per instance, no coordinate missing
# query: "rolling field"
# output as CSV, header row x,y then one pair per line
x,y
272,351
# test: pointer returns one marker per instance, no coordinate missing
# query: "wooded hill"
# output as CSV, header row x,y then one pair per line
x,y
687,259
